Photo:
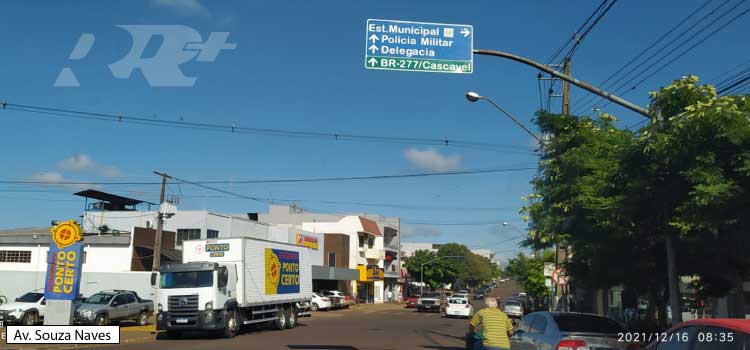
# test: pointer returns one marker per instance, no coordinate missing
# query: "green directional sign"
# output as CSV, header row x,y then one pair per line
x,y
419,46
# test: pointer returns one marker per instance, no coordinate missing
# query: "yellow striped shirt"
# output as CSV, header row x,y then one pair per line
x,y
495,327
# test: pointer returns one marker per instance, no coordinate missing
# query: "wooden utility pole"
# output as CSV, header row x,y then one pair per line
x,y
159,224
566,89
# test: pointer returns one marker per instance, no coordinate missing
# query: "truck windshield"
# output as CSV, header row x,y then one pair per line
x,y
188,279
99,299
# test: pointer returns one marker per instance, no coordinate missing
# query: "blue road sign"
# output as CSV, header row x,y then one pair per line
x,y
419,46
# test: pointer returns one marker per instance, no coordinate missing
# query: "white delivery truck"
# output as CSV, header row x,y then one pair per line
x,y
223,284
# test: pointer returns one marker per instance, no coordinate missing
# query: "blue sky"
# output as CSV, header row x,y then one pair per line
x,y
299,65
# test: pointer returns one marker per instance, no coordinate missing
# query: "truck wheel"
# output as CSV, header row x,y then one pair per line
x,y
280,322
101,320
142,319
291,317
315,307
231,324
29,319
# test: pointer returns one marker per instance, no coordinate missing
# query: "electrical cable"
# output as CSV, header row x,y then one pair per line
x,y
60,112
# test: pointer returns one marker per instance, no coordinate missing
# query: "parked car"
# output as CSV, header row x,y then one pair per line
x,y
320,302
566,330
27,309
479,295
429,302
514,308
338,299
114,305
460,307
706,333
411,301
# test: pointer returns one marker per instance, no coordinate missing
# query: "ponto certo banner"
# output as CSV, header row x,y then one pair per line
x,y
282,271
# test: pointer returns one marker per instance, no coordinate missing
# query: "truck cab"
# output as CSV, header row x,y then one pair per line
x,y
196,295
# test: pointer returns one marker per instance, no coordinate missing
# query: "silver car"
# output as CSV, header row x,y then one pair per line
x,y
513,308
567,330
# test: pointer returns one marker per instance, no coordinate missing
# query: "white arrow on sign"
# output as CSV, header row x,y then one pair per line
x,y
372,61
465,32
374,38
373,48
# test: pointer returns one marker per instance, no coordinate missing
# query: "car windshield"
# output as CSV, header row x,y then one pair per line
x,y
187,279
30,297
429,295
587,324
99,298
458,301
512,303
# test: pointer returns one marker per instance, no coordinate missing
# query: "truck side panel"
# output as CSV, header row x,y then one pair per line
x,y
285,267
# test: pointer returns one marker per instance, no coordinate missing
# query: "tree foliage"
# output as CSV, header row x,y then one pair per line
x,y
612,195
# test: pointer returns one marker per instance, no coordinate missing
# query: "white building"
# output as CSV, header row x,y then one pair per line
x,y
109,261
371,243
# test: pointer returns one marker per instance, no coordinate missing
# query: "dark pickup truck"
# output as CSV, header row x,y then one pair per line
x,y
113,306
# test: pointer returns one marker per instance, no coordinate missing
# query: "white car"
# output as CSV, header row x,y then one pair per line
x,y
459,307
27,309
320,302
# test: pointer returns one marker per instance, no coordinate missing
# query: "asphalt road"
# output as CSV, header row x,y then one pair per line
x,y
378,327
368,327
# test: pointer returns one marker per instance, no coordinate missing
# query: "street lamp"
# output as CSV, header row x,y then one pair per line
x,y
421,269
474,97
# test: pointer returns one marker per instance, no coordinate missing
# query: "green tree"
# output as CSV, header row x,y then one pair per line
x,y
529,272
436,271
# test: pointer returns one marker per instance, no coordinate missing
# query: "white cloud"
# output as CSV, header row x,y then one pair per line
x,y
54,179
82,162
432,160
411,231
76,162
183,7
110,171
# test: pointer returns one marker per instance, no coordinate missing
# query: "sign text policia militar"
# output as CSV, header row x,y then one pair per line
x,y
419,46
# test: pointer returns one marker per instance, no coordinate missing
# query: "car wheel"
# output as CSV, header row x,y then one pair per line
x,y
142,319
101,320
291,317
29,319
315,307
231,324
280,322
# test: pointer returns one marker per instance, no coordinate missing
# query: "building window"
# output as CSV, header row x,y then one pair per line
x,y
370,241
212,234
361,241
15,256
331,259
185,234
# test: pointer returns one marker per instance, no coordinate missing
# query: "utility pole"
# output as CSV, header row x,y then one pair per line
x,y
159,223
566,89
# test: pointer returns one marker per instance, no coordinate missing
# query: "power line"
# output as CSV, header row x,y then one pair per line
x,y
579,40
122,118
604,84
691,47
579,36
321,179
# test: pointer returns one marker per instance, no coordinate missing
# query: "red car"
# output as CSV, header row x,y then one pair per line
x,y
411,301
705,333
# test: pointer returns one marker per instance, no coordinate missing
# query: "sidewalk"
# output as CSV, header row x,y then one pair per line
x,y
128,334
